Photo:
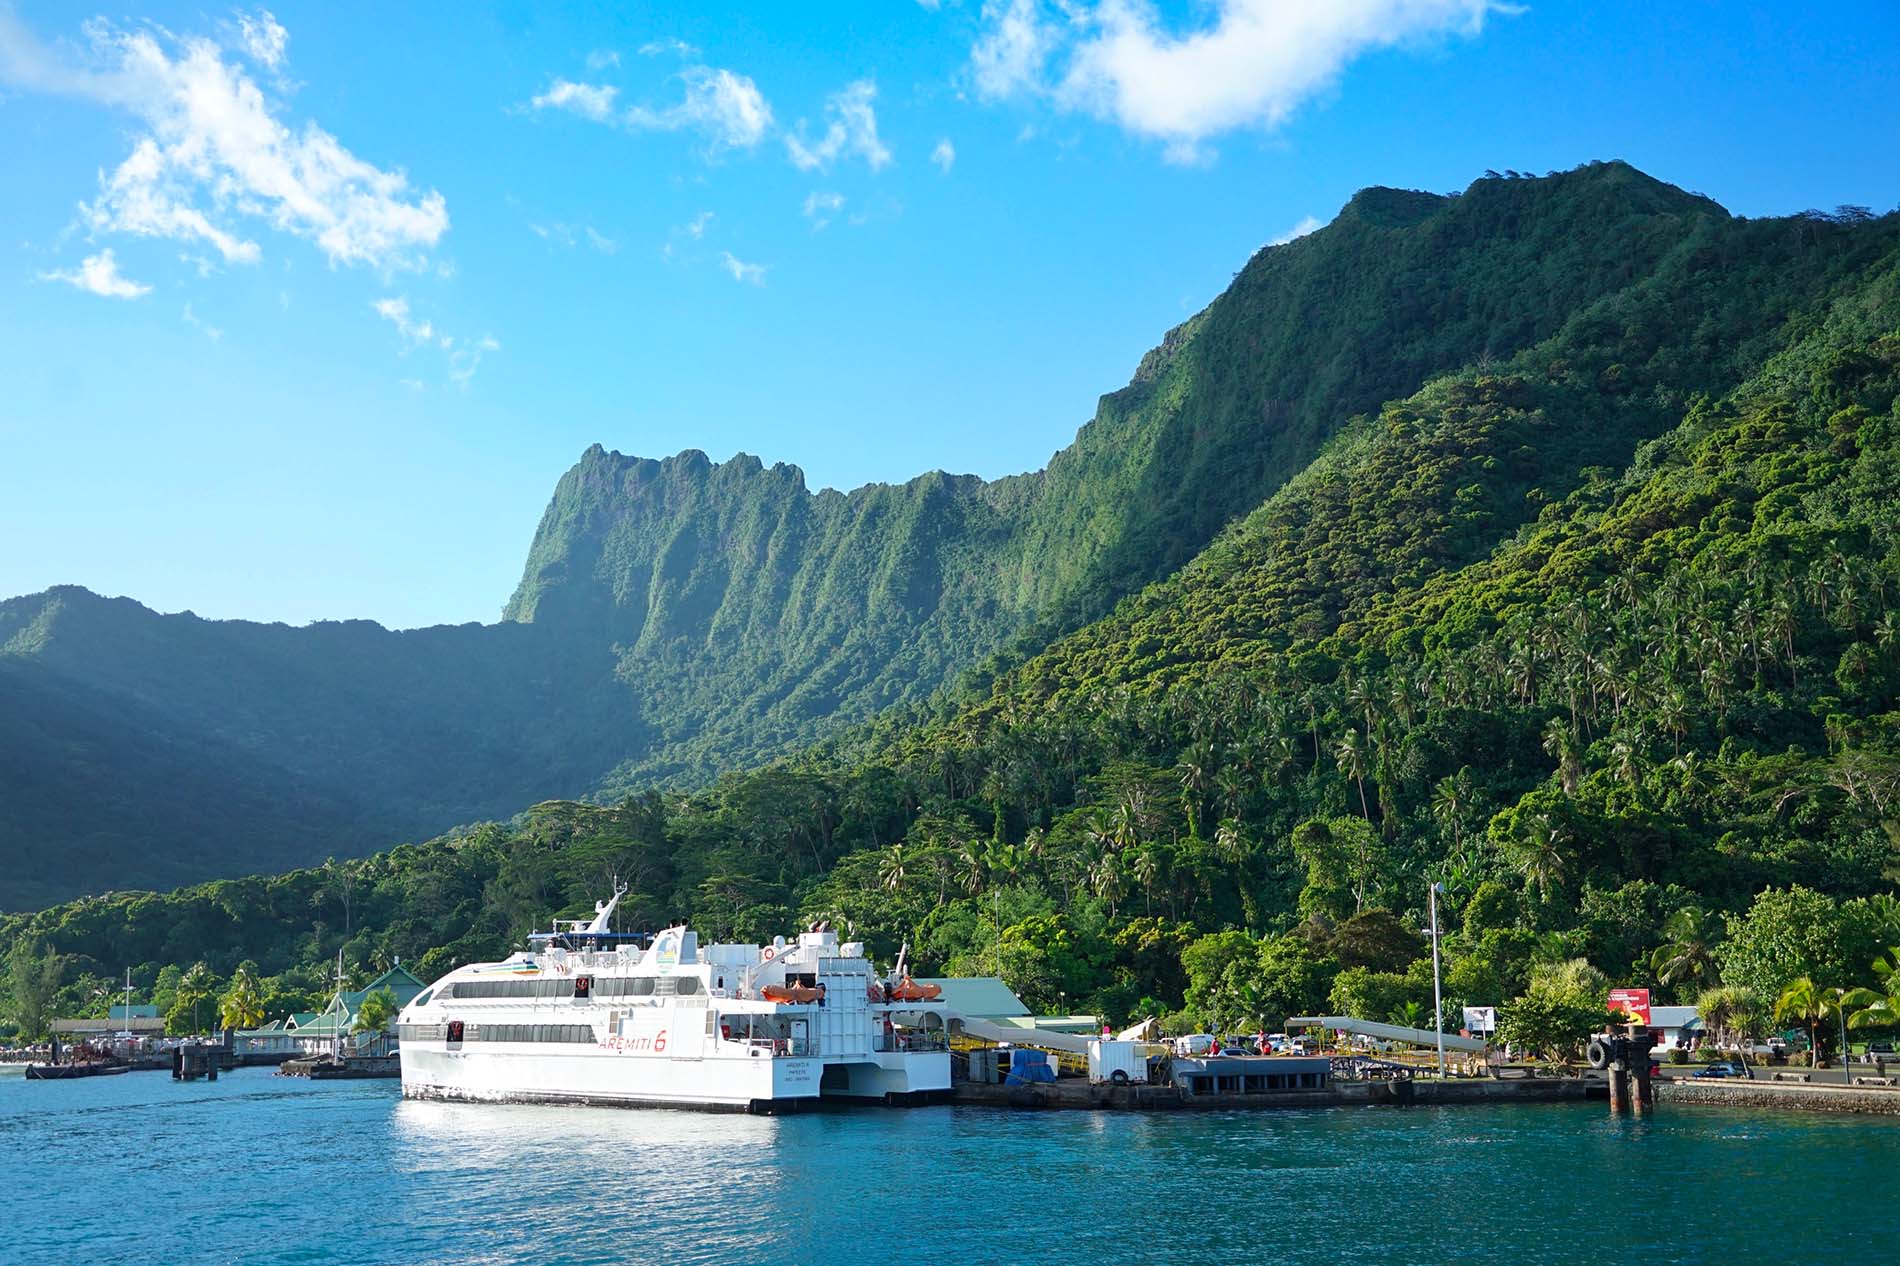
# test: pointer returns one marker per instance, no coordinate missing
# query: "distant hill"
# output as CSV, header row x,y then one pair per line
x,y
678,618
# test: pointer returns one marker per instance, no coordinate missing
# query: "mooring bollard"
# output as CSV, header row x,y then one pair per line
x,y
1625,1058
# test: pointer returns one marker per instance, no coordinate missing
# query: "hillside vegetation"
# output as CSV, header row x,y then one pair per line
x,y
1600,635
680,618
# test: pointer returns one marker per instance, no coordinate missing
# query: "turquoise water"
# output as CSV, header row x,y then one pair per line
x,y
262,1169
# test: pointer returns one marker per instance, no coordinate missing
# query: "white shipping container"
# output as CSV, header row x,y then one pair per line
x,y
1118,1062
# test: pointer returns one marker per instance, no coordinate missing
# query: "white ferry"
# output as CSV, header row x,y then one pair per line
x,y
591,1016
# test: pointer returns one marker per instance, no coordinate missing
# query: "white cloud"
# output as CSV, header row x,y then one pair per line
x,y
462,355
696,228
945,155
218,152
264,38
99,274
852,130
1249,66
1008,57
679,48
396,312
601,242
726,108
590,101
602,58
742,271
211,332
820,207
1305,226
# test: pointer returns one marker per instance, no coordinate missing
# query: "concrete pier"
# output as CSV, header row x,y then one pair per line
x,y
1078,1094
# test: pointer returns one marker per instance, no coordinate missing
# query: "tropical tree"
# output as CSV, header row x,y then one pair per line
x,y
1350,754
1877,1008
196,987
376,1012
1687,954
1732,1013
1806,1003
33,977
242,1006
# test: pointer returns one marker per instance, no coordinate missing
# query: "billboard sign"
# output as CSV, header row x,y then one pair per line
x,y
1481,1020
1633,1001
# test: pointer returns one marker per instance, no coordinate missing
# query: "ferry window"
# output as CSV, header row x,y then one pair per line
x,y
685,986
422,1000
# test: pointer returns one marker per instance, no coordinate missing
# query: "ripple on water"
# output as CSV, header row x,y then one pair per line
x,y
257,1169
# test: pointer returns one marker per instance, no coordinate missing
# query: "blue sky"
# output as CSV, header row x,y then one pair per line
x,y
303,312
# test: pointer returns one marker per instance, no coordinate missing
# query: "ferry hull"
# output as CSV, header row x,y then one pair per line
x,y
608,1079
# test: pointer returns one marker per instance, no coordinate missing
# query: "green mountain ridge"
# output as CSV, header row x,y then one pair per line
x,y
677,618
1600,633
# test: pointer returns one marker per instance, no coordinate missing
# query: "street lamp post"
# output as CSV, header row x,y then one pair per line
x,y
1438,1001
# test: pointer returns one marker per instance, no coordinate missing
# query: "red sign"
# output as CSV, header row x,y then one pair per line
x,y
1633,1001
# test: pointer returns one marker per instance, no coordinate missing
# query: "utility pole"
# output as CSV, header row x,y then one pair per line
x,y
1438,1001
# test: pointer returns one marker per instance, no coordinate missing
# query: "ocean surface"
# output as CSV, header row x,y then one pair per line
x,y
256,1168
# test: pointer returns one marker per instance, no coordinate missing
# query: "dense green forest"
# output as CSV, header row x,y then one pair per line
x,y
680,618
1600,634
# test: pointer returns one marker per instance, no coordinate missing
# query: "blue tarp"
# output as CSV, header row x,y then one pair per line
x,y
1026,1066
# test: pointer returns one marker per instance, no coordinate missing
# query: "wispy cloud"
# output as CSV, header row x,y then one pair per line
x,y
679,48
461,356
1249,64
724,107
99,274
753,274
1305,226
851,130
820,207
696,227
396,312
570,235
217,154
196,322
590,101
264,38
602,59
945,155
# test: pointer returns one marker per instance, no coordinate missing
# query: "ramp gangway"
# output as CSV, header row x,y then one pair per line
x,y
1385,1032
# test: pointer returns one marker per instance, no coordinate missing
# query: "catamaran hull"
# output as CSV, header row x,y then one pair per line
x,y
606,1078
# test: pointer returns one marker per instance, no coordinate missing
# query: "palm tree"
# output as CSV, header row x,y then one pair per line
x,y
1411,1015
1807,1003
894,868
243,1004
1451,800
1540,856
1687,954
1732,1013
1350,752
1561,744
1878,1008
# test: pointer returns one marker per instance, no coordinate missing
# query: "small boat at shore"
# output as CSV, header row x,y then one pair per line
x,y
66,1072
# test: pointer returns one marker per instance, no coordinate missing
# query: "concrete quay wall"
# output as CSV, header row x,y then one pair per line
x,y
1079,1094
1779,1096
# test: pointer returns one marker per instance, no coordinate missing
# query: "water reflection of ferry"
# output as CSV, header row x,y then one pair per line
x,y
592,1016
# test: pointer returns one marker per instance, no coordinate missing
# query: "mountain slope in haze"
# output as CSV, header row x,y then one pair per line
x,y
679,617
